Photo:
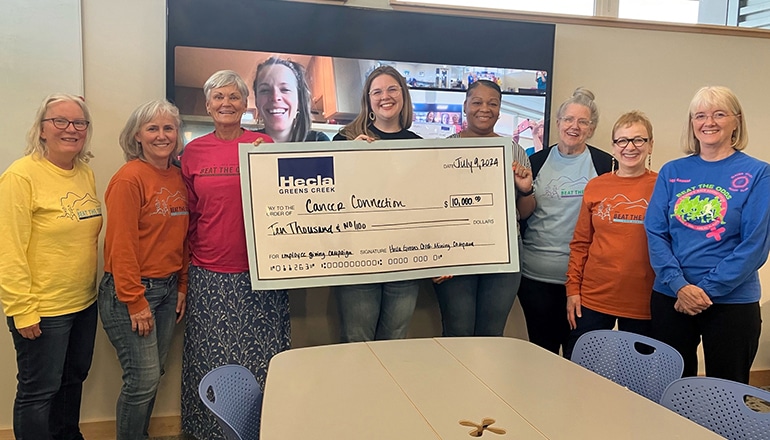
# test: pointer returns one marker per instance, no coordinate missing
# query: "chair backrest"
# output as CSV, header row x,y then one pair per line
x,y
616,356
719,405
232,393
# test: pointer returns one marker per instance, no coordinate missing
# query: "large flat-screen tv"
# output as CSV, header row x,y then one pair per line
x,y
338,46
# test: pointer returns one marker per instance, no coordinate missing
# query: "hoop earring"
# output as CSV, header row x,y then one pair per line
x,y
371,116
613,165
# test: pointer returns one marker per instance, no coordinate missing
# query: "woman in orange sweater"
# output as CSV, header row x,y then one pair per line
x,y
609,277
142,293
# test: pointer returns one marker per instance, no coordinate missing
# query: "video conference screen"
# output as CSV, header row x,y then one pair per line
x,y
339,46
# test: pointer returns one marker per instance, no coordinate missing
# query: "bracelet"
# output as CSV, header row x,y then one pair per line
x,y
527,193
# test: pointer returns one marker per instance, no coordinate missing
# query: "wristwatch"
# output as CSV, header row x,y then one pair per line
x,y
528,193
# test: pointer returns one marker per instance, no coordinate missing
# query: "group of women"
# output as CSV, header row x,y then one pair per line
x,y
175,244
168,231
674,256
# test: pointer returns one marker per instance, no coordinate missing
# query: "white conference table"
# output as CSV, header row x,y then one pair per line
x,y
417,389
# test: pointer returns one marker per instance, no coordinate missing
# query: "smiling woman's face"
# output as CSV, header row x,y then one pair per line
x,y
631,158
63,144
386,104
716,128
575,126
277,99
482,109
226,105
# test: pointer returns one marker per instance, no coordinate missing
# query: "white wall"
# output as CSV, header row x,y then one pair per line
x,y
34,62
657,72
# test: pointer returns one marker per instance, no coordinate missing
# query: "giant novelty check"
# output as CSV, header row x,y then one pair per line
x,y
334,213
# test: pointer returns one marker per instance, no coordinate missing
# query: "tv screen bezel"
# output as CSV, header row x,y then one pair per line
x,y
351,32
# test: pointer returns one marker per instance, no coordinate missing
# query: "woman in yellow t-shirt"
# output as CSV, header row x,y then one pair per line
x,y
50,219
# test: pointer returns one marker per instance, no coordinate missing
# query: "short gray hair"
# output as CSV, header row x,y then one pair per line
x,y
36,145
224,78
143,114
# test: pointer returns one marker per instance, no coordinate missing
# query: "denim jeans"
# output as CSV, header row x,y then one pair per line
x,y
141,357
476,305
593,320
52,369
377,311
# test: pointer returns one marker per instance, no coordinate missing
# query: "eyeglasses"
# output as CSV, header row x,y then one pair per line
x,y
569,120
390,91
637,141
62,124
716,116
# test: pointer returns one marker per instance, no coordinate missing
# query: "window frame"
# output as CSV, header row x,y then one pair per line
x,y
605,7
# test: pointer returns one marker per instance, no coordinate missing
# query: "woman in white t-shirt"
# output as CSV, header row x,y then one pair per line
x,y
560,172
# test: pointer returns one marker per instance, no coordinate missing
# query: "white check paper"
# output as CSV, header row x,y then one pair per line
x,y
334,213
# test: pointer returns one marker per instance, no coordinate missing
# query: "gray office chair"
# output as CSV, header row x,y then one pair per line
x,y
644,365
232,393
719,405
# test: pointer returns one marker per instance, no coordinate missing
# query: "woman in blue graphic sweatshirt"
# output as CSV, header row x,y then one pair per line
x,y
707,226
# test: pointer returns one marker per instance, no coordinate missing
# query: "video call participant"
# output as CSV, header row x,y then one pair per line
x,y
609,277
380,310
283,101
561,172
478,305
227,321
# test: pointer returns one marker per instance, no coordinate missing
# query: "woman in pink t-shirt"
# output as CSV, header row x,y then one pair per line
x,y
227,321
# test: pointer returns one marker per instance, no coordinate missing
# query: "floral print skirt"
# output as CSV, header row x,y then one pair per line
x,y
227,323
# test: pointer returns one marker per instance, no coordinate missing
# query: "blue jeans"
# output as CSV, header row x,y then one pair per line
x,y
141,357
379,311
52,369
476,305
593,320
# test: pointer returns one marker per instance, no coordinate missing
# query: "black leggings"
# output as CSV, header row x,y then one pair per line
x,y
545,309
730,335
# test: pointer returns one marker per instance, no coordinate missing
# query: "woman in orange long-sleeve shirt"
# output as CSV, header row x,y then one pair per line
x,y
142,294
609,277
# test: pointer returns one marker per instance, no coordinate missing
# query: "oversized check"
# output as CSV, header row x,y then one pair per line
x,y
334,213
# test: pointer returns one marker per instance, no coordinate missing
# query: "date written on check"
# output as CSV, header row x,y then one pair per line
x,y
333,213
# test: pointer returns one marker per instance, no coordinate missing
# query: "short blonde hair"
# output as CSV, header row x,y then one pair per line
x,y
37,145
633,117
722,98
143,114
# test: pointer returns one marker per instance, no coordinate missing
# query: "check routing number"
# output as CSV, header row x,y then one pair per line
x,y
334,213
